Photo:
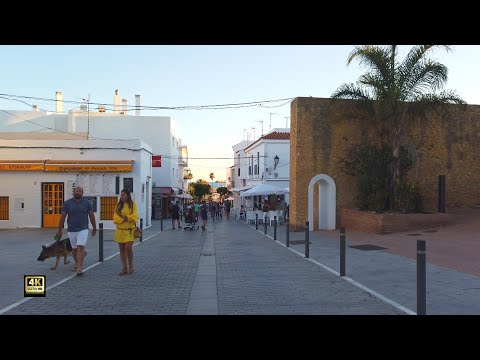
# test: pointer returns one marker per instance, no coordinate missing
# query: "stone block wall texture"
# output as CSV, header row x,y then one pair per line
x,y
390,223
447,144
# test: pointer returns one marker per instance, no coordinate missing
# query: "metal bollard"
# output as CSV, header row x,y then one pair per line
x,y
161,222
100,242
288,232
421,278
307,240
141,228
256,221
265,225
274,228
342,251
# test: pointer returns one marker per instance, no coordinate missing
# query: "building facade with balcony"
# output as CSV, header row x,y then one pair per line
x,y
264,161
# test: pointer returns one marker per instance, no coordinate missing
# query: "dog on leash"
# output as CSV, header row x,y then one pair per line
x,y
58,249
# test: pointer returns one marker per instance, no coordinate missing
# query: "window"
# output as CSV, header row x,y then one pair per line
x,y
107,207
4,211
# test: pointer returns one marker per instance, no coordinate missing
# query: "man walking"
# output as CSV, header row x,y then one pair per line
x,y
78,210
203,214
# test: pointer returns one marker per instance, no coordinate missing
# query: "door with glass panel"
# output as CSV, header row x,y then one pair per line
x,y
52,202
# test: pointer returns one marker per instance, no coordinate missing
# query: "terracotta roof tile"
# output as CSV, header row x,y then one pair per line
x,y
277,136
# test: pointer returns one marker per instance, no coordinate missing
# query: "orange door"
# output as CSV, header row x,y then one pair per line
x,y
52,202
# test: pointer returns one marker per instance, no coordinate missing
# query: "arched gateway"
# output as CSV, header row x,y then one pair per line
x,y
327,202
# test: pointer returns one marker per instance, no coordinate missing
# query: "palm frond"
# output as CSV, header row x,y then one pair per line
x,y
350,91
375,57
415,56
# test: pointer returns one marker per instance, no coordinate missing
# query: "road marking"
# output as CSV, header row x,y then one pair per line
x,y
346,278
24,300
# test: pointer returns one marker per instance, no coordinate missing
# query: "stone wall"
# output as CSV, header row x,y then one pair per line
x,y
320,136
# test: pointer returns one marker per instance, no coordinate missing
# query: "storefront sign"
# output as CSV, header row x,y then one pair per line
x,y
21,167
157,161
86,168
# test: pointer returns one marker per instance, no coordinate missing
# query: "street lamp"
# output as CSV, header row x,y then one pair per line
x,y
276,160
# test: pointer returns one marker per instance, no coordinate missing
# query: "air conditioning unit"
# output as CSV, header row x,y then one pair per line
x,y
275,174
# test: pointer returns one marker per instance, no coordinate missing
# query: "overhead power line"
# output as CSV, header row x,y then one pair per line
x,y
260,103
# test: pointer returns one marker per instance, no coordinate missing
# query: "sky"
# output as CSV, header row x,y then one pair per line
x,y
198,75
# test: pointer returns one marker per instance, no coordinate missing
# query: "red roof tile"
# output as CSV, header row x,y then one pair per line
x,y
277,136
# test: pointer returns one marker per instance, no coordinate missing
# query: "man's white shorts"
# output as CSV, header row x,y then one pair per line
x,y
78,238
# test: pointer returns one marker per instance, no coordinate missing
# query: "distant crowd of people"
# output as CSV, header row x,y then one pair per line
x,y
194,211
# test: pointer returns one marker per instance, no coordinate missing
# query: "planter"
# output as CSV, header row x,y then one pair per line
x,y
372,222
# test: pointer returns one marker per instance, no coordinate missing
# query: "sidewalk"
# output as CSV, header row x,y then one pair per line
x,y
228,269
392,272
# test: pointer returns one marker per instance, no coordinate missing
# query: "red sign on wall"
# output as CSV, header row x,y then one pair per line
x,y
157,161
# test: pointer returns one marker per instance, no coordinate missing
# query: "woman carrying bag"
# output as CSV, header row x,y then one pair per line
x,y
125,218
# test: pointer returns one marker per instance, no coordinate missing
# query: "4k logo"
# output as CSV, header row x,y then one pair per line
x,y
34,285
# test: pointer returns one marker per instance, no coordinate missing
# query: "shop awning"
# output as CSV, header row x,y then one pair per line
x,y
67,165
22,165
243,188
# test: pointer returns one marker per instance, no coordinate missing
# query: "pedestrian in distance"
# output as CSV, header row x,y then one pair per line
x,y
203,214
77,211
176,215
125,218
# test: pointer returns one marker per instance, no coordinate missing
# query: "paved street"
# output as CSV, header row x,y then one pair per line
x,y
229,269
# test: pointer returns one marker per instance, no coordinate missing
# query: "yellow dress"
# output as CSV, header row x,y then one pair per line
x,y
124,232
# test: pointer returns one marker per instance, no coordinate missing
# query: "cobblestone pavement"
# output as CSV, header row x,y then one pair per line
x,y
228,269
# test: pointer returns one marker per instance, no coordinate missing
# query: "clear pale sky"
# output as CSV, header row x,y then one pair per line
x,y
172,76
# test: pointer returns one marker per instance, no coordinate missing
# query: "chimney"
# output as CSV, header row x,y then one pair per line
x,y
35,107
124,107
137,105
116,103
58,102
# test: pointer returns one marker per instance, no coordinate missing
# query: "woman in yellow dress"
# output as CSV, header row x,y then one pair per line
x,y
125,218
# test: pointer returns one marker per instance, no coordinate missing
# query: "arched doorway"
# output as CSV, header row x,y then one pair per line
x,y
327,202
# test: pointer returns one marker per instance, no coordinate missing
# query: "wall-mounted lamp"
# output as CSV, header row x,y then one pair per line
x,y
276,160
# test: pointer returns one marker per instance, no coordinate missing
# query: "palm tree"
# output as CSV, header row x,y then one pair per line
x,y
394,93
211,176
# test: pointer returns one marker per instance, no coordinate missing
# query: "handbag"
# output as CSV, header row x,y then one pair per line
x,y
137,233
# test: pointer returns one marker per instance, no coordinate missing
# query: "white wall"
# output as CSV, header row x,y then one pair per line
x,y
27,184
15,121
157,131
270,148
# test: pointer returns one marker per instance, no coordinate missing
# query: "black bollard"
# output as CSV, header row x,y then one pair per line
x,y
421,278
256,221
307,239
342,251
141,228
265,225
161,223
100,242
441,193
287,222
274,228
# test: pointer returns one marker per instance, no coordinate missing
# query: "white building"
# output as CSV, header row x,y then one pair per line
x,y
37,176
157,133
89,122
240,170
256,163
